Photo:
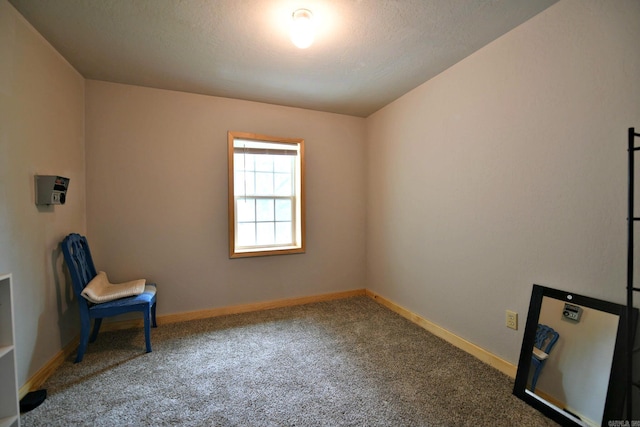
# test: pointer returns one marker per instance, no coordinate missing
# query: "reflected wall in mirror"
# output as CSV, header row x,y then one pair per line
x,y
571,364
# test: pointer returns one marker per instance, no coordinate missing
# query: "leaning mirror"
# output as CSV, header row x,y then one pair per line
x,y
571,365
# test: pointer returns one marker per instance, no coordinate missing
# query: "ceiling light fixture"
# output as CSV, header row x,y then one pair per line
x,y
302,31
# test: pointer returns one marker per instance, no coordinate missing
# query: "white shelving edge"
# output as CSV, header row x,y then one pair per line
x,y
10,421
5,349
8,389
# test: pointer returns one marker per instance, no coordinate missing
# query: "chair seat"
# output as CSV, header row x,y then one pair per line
x,y
147,297
140,302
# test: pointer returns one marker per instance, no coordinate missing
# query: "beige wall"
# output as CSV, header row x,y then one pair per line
x,y
157,197
41,132
508,169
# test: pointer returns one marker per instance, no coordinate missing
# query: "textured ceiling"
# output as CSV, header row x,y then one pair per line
x,y
366,54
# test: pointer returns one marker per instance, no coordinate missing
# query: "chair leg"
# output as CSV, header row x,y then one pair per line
x,y
96,329
534,380
84,340
147,329
153,315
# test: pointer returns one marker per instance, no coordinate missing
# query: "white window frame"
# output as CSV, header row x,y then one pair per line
x,y
250,142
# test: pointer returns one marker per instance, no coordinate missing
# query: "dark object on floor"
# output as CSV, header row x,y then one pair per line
x,y
32,400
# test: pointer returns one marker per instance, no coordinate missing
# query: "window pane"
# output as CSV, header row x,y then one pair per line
x,y
243,161
265,233
238,185
246,210
238,164
250,182
247,234
283,163
250,162
264,210
244,181
264,184
283,185
283,210
283,233
264,163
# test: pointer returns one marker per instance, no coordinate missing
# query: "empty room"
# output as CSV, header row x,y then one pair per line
x,y
342,229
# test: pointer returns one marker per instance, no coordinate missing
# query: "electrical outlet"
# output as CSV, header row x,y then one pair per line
x,y
512,319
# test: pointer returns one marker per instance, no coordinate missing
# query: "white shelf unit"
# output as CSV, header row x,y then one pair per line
x,y
9,402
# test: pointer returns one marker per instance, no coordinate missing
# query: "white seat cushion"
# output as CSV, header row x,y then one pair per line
x,y
100,290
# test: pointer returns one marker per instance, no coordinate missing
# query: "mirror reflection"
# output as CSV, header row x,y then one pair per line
x,y
571,361
571,358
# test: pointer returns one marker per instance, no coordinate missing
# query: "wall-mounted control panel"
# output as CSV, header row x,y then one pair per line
x,y
572,312
51,189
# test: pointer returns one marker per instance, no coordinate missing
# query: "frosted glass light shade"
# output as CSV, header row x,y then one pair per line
x,y
302,31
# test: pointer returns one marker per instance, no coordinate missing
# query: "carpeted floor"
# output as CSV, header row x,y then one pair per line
x,y
348,362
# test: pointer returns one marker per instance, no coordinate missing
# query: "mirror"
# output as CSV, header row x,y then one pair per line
x,y
572,363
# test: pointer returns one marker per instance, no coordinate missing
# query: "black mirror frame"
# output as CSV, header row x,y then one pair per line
x,y
614,405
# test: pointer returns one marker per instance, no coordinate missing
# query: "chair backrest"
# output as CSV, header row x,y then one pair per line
x,y
78,258
546,338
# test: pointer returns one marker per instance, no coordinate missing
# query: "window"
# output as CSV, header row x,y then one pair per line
x,y
266,195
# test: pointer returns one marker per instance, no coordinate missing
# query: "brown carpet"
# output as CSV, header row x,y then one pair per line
x,y
348,362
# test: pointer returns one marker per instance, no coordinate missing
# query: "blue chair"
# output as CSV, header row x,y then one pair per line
x,y
78,259
546,338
